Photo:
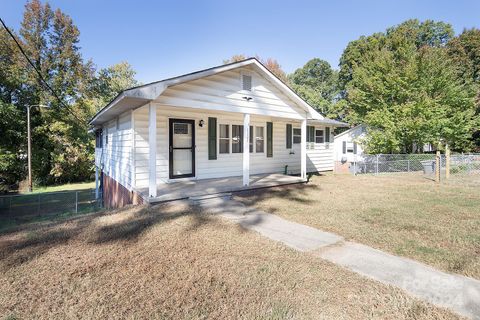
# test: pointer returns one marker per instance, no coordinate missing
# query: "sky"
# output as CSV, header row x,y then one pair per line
x,y
161,39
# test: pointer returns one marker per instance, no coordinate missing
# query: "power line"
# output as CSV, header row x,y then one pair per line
x,y
38,72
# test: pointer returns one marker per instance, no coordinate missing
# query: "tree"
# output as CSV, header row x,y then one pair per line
x,y
317,83
111,81
427,33
465,52
271,64
410,97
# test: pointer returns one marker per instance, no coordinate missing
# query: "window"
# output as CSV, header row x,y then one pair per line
x,y
327,134
224,138
251,139
246,82
237,139
180,128
297,135
349,147
259,139
319,138
98,139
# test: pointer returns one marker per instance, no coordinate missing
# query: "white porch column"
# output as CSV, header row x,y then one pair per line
x,y
152,144
96,183
303,147
246,149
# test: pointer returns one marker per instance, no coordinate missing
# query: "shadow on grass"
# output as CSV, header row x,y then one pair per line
x,y
296,193
123,226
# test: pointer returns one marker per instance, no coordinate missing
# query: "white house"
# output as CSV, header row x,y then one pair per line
x,y
226,128
348,147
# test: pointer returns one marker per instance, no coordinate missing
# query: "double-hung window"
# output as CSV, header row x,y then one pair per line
x,y
297,135
259,139
224,138
251,140
237,139
319,136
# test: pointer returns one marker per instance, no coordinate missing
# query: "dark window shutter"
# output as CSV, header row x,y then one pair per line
x,y
327,134
289,136
269,139
354,148
212,138
310,134
344,147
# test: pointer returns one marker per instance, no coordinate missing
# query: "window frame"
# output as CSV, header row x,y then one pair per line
x,y
322,136
296,135
223,138
350,147
253,137
240,142
262,139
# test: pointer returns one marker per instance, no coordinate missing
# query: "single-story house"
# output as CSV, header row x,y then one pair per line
x,y
226,128
348,148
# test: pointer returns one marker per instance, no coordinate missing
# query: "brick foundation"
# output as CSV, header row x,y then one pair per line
x,y
116,196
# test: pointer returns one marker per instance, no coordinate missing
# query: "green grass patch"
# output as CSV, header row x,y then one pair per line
x,y
64,187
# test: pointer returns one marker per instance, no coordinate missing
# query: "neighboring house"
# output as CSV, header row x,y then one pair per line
x,y
348,147
234,120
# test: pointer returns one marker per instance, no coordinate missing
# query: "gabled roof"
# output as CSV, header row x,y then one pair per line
x,y
350,130
137,96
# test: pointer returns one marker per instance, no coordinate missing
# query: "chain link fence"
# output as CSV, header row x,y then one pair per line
x,y
461,166
49,203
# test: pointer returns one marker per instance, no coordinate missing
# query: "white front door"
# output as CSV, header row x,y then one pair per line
x,y
182,148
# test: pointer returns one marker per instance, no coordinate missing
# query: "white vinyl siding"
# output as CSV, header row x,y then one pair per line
x,y
223,92
348,139
116,154
226,165
320,153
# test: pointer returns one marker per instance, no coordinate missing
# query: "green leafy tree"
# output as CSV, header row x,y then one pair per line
x,y
427,33
111,81
410,97
465,51
404,84
317,83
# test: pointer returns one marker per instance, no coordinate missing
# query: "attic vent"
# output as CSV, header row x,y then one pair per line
x,y
246,82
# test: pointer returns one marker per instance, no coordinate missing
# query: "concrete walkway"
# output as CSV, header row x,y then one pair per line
x,y
458,293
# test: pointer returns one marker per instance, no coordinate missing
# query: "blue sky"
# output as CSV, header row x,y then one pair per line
x,y
167,38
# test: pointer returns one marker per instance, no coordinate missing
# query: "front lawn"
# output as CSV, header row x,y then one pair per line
x,y
173,262
64,187
404,214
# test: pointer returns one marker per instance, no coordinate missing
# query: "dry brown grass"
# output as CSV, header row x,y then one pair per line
x,y
404,214
171,262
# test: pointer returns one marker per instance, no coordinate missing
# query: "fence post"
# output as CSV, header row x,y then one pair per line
x,y
376,167
408,165
76,201
437,166
447,162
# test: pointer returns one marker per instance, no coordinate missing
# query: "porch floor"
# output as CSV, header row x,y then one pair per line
x,y
197,188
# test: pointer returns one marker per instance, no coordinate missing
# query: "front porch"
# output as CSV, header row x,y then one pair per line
x,y
197,188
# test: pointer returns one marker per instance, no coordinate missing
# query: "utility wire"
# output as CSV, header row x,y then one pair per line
x,y
38,72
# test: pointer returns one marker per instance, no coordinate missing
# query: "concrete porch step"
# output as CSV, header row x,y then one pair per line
x,y
208,197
